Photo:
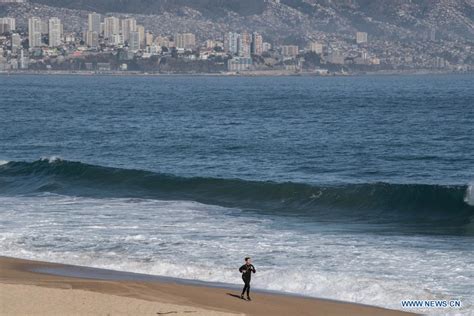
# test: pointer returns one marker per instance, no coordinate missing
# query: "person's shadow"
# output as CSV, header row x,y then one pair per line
x,y
234,295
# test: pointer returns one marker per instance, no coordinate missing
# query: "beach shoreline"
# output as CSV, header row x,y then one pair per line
x,y
102,292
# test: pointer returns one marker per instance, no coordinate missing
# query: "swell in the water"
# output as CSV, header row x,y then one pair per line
x,y
414,204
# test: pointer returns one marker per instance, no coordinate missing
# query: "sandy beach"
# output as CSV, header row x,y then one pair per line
x,y
24,291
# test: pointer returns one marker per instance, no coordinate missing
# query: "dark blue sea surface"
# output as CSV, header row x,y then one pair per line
x,y
308,130
379,169
378,146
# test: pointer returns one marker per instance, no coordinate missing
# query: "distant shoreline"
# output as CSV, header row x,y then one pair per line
x,y
233,74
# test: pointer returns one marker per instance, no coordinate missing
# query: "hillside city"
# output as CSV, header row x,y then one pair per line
x,y
120,44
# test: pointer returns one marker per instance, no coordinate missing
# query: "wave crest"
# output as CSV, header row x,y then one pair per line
x,y
51,159
414,204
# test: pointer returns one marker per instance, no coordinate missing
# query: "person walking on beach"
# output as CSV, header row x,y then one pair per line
x,y
247,269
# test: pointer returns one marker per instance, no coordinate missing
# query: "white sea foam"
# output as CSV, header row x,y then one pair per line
x,y
195,241
469,199
51,159
3,162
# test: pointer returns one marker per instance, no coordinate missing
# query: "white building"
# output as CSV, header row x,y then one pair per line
x,y
111,27
141,35
92,39
257,44
70,38
54,32
244,44
315,48
23,60
94,22
185,41
134,42
117,39
128,25
149,39
34,32
164,41
231,43
361,37
16,42
4,28
239,64
290,50
153,49
267,46
10,22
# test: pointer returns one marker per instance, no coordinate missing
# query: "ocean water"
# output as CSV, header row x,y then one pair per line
x,y
349,188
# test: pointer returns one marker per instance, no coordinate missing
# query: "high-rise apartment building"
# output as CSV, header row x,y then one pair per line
x,y
141,35
149,39
4,28
44,27
34,32
163,41
231,43
244,44
23,60
94,22
54,29
128,25
111,27
185,41
16,43
257,44
134,41
9,22
92,39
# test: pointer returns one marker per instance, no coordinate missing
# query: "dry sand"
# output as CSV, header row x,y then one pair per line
x,y
23,292
35,300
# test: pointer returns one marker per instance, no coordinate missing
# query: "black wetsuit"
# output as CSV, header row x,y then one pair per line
x,y
246,271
